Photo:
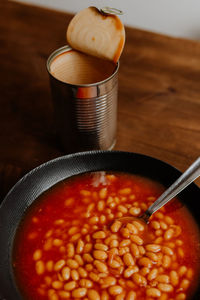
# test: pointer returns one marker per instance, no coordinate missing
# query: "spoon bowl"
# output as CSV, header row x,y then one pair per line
x,y
192,173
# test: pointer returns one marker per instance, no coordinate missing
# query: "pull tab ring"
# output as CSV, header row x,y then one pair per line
x,y
111,11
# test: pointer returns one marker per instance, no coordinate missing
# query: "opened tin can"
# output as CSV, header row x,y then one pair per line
x,y
84,92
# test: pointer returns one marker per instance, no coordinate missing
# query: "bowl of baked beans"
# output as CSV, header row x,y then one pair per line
x,y
61,236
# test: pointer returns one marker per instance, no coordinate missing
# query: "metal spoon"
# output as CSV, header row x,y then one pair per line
x,y
182,182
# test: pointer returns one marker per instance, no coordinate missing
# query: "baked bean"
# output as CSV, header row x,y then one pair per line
x,y
184,284
159,215
137,240
65,273
115,290
69,286
49,265
124,243
132,228
99,235
101,267
79,293
135,211
114,243
177,230
75,237
166,261
37,254
139,279
73,230
53,297
168,234
101,205
158,240
86,283
39,267
182,270
87,257
180,252
103,193
93,295
163,278
99,254
120,297
130,271
128,259
102,219
74,275
169,220
174,278
82,272
59,264
153,248
108,281
125,232
167,250
57,284
72,263
179,242
144,271
180,296
93,220
79,259
94,276
113,264
64,294
145,261
153,256
88,267
165,287
131,295
100,246
152,274
164,296
116,226
159,232
163,225
141,250
125,191
57,242
155,225
134,250
80,246
122,209
189,273
85,193
104,295
153,292
87,247
118,215
48,244
139,225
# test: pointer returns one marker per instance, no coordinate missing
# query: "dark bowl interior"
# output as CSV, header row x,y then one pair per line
x,y
45,176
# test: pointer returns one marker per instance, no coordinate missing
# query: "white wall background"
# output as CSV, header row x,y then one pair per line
x,y
179,18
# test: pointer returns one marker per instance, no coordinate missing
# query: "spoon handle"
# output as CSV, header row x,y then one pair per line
x,y
183,181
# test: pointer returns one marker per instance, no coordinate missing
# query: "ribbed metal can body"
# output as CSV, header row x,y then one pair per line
x,y
85,115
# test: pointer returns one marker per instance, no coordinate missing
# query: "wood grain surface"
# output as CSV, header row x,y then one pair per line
x,y
159,93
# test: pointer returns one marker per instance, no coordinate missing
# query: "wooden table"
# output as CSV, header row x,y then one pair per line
x,y
159,93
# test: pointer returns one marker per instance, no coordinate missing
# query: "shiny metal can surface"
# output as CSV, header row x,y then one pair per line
x,y
85,114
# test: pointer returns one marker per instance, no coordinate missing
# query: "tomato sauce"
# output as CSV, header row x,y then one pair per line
x,y
74,210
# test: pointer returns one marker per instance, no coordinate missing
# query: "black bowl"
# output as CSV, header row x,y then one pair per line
x,y
45,176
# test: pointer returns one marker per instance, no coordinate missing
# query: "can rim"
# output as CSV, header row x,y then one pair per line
x,y
66,48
